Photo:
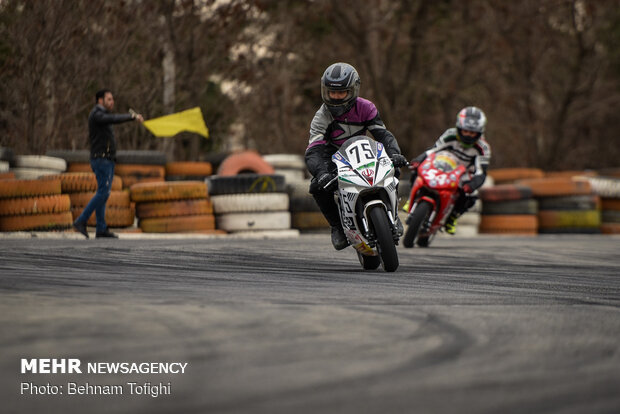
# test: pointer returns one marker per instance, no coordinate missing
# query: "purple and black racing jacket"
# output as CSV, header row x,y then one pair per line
x,y
327,134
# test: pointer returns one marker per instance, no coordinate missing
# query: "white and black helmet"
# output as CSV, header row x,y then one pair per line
x,y
473,119
340,77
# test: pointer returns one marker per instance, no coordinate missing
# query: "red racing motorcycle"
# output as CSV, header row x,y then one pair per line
x,y
432,198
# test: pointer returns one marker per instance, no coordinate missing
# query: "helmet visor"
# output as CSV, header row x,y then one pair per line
x,y
337,96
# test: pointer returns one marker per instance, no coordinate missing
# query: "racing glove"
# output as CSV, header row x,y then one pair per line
x,y
399,160
324,179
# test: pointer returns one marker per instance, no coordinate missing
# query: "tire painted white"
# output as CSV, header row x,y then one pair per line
x,y
241,203
605,187
290,175
32,173
4,166
232,222
41,161
294,161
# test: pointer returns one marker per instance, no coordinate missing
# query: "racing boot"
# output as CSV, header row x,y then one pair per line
x,y
339,240
451,224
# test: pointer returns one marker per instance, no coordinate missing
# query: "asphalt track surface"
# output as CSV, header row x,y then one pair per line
x,y
479,325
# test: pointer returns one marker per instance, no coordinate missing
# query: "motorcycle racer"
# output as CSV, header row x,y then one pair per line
x,y
342,115
467,141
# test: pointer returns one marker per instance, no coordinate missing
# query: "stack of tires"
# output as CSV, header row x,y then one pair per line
x,y
565,204
133,166
6,159
305,214
33,205
248,197
31,167
77,161
250,202
173,207
188,171
140,167
510,175
508,209
608,188
81,187
291,166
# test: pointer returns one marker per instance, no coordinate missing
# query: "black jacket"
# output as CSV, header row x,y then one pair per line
x,y
100,133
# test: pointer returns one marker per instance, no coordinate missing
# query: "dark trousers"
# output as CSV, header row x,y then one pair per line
x,y
104,171
327,204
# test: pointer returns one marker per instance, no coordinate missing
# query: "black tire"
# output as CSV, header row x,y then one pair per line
x,y
583,202
385,240
419,216
144,157
510,207
369,262
6,154
246,183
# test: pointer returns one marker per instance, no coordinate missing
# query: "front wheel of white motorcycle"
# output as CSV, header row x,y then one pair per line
x,y
385,239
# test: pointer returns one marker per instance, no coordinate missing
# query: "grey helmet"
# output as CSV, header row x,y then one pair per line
x,y
473,119
340,77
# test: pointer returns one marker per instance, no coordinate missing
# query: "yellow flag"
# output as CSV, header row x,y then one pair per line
x,y
167,126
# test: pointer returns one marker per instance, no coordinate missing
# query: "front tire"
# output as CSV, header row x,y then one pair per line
x,y
418,217
385,240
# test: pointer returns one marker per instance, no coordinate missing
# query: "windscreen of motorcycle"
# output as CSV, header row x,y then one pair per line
x,y
362,161
445,161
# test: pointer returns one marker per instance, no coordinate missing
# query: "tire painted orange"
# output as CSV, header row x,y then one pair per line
x,y
49,221
558,186
505,192
508,175
79,182
130,180
79,167
245,161
508,223
178,224
114,216
7,175
610,228
174,208
116,199
189,168
35,205
12,188
139,171
168,190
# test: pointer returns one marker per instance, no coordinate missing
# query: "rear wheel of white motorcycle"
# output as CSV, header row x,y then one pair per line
x,y
369,262
385,240
418,216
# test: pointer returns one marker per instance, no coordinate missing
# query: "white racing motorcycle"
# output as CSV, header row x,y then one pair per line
x,y
367,201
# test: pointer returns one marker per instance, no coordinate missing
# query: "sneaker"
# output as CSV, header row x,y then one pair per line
x,y
451,225
107,233
339,240
80,228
